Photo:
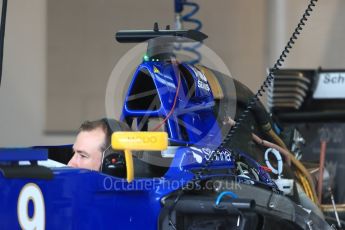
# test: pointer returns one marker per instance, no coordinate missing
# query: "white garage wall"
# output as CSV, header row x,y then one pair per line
x,y
248,35
321,43
22,92
82,51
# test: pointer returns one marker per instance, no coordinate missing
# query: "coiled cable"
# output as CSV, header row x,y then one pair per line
x,y
270,77
189,18
264,86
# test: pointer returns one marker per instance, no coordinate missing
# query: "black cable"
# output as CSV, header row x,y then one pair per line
x,y
2,34
171,223
266,83
254,99
270,76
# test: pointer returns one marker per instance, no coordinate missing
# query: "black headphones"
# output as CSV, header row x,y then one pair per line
x,y
113,162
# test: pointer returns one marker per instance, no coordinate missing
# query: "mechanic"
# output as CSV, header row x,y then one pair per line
x,y
93,143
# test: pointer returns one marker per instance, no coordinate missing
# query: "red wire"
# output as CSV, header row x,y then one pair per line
x,y
174,104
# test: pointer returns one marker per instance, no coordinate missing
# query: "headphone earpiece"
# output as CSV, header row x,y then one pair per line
x,y
113,162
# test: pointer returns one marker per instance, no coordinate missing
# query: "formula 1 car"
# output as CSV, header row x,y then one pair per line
x,y
180,169
191,163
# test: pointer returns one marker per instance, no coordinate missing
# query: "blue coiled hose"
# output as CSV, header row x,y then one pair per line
x,y
179,7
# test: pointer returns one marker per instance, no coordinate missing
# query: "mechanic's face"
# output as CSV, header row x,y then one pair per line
x,y
87,150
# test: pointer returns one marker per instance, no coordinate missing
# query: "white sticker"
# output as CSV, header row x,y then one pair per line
x,y
31,192
202,80
203,85
330,86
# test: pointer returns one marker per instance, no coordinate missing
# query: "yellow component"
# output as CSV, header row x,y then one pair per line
x,y
129,165
330,208
155,70
277,139
127,141
305,186
217,90
154,141
309,191
267,128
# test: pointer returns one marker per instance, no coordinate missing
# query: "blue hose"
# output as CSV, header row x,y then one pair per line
x,y
220,196
188,17
179,5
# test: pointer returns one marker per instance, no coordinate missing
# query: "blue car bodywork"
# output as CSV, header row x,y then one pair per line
x,y
37,196
84,199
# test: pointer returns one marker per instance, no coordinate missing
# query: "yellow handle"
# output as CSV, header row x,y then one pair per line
x,y
129,165
127,141
150,141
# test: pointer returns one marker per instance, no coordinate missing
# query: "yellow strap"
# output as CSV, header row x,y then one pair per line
x,y
129,165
